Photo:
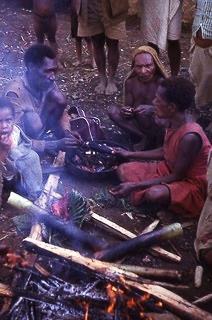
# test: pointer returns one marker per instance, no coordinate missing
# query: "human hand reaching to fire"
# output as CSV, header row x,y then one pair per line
x,y
123,189
122,153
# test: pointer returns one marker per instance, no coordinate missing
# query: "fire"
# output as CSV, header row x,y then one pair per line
x,y
13,259
112,294
131,303
86,306
60,207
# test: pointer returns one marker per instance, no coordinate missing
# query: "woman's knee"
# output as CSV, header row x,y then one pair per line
x,y
158,194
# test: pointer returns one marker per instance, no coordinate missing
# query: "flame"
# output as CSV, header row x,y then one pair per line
x,y
112,294
86,306
145,297
13,259
131,303
60,207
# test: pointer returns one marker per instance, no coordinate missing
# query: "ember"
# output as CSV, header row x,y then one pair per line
x,y
60,208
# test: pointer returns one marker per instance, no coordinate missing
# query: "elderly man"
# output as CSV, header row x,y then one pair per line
x,y
161,28
103,21
137,114
201,62
39,104
178,179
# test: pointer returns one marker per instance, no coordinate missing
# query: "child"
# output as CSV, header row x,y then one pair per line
x,y
45,22
78,40
19,164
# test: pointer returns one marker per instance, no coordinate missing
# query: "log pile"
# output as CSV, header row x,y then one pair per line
x,y
88,288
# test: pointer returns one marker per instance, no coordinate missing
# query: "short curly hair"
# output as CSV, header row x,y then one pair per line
x,y
6,103
179,91
37,53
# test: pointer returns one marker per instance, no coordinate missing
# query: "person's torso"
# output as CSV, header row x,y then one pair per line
x,y
171,148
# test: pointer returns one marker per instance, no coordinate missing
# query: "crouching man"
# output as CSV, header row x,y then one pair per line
x,y
203,242
40,106
20,168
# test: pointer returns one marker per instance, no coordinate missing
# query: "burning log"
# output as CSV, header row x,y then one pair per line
x,y
177,304
153,272
204,299
142,241
125,234
66,228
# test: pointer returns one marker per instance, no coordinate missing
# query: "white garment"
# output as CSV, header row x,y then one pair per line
x,y
160,20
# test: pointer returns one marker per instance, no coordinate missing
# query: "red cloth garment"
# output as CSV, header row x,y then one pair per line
x,y
187,195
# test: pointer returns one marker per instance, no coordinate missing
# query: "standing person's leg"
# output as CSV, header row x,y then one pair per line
x,y
174,54
39,28
78,46
154,46
51,29
100,59
91,60
113,61
173,42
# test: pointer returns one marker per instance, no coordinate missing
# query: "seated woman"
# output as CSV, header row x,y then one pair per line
x,y
20,167
178,179
136,116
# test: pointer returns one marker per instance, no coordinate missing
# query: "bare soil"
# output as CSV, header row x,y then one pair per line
x,y
78,83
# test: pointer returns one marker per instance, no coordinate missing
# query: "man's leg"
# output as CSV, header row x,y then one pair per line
x,y
174,54
39,29
51,32
113,60
154,46
91,60
100,59
78,46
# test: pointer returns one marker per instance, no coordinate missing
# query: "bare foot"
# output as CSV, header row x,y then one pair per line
x,y
111,88
100,88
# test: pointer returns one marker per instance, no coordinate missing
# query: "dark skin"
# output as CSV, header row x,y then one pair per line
x,y
106,85
53,114
174,54
139,93
189,148
45,22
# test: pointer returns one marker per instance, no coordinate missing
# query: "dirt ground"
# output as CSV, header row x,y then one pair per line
x,y
78,84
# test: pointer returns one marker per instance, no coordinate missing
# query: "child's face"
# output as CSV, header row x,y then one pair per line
x,y
6,123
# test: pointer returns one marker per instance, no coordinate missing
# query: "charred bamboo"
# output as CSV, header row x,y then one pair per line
x,y
67,229
142,241
126,234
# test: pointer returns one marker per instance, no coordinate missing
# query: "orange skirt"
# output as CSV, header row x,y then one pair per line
x,y
187,196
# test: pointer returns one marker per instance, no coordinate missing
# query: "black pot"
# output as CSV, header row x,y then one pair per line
x,y
106,173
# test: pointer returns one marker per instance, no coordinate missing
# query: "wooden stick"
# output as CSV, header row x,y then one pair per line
x,y
204,299
5,290
176,303
170,299
152,272
125,234
74,256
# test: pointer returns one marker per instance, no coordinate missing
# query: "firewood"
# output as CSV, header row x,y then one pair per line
x,y
153,272
198,276
177,304
142,241
204,299
95,265
5,290
125,234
